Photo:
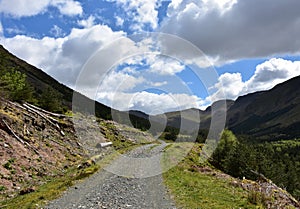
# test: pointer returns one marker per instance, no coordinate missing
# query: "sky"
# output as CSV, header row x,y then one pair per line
x,y
157,55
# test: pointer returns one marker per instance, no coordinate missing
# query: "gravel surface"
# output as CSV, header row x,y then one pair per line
x,y
107,190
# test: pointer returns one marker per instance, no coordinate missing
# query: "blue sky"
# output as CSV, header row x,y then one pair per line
x,y
209,50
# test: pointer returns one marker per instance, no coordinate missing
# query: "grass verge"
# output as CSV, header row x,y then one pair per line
x,y
193,189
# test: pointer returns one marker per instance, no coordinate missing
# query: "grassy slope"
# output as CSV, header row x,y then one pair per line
x,y
193,189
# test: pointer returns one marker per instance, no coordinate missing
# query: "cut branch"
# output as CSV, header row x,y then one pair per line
x,y
49,119
18,138
12,132
47,112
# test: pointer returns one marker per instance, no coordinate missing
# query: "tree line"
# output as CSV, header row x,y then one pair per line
x,y
278,161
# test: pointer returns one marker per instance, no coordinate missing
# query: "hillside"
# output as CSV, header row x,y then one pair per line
x,y
268,115
34,147
41,83
36,77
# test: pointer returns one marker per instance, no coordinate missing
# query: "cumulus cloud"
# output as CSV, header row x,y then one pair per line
x,y
119,82
24,8
68,7
271,73
231,30
229,85
64,57
119,21
140,12
266,76
164,66
19,8
149,102
88,22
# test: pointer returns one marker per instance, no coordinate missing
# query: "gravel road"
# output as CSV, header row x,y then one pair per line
x,y
138,186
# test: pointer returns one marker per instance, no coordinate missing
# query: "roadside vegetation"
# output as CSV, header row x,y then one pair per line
x,y
244,157
240,155
194,189
202,184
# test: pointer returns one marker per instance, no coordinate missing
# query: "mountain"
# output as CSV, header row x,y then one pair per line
x,y
269,114
272,114
41,81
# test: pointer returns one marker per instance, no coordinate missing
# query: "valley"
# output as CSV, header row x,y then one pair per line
x,y
53,156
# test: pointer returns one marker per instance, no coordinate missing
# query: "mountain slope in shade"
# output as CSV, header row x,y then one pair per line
x,y
269,114
272,114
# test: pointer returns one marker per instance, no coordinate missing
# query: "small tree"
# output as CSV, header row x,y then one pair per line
x,y
225,151
13,85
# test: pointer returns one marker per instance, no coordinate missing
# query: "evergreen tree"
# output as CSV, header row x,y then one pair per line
x,y
14,86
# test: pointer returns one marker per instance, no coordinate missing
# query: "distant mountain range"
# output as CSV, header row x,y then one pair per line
x,y
267,115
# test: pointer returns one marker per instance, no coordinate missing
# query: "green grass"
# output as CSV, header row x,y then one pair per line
x,y
192,189
197,190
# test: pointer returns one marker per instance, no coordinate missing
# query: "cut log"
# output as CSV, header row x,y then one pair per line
x,y
12,132
49,119
18,138
106,144
47,112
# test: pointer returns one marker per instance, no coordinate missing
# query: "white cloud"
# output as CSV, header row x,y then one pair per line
x,y
62,58
14,30
165,66
271,73
266,76
119,82
229,85
68,7
88,22
158,84
149,102
141,12
119,21
23,8
19,8
233,30
56,31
